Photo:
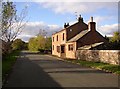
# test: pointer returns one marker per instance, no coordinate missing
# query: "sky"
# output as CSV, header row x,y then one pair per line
x,y
51,16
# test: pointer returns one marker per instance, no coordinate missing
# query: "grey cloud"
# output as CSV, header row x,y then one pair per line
x,y
108,29
32,29
80,7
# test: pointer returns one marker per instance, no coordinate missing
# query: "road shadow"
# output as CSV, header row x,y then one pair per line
x,y
58,66
28,74
77,71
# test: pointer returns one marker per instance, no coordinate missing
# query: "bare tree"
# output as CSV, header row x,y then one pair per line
x,y
42,33
12,23
0,17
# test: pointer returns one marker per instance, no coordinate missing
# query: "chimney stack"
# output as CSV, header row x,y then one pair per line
x,y
80,19
92,25
66,25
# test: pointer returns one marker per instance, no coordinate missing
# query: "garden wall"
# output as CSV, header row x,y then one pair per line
x,y
106,56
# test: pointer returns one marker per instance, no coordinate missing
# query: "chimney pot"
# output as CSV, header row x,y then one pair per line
x,y
80,16
66,25
91,19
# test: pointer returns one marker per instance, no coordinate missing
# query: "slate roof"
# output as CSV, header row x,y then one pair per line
x,y
90,46
78,36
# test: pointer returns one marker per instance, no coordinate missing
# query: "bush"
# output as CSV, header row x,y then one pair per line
x,y
41,50
7,62
40,43
18,44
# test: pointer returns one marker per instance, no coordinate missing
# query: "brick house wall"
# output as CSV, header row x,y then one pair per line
x,y
65,48
71,53
58,42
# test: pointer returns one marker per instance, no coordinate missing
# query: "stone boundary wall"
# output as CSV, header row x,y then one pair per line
x,y
106,56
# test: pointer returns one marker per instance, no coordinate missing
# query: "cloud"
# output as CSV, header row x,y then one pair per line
x,y
99,19
73,0
63,0
80,7
108,29
25,37
32,29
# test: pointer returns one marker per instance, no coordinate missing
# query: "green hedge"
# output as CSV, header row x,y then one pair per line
x,y
7,62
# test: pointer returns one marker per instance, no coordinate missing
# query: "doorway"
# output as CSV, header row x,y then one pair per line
x,y
63,55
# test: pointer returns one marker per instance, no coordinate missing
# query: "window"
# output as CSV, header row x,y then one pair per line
x,y
62,49
70,47
58,49
70,30
53,47
53,39
63,36
57,37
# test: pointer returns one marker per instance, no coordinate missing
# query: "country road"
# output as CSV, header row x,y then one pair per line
x,y
35,70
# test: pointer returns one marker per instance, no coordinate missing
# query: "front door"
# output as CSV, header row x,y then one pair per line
x,y
63,51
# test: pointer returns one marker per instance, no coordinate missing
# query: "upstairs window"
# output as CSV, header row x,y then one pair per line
x,y
70,47
63,36
57,37
53,47
70,30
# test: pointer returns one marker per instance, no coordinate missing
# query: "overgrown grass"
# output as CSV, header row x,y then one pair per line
x,y
98,65
7,62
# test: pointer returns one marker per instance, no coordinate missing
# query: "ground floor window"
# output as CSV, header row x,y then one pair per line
x,y
53,47
70,47
58,49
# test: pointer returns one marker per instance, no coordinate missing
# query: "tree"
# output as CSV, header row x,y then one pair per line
x,y
18,44
32,44
40,43
12,23
114,42
37,43
48,45
116,37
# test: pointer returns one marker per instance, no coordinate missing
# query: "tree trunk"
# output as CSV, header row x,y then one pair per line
x,y
9,49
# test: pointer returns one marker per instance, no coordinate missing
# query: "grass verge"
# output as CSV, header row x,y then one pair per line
x,y
98,65
7,63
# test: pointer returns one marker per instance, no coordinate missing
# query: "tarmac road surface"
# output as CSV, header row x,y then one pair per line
x,y
35,70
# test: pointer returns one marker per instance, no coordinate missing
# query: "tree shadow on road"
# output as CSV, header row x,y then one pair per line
x,y
28,74
58,66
